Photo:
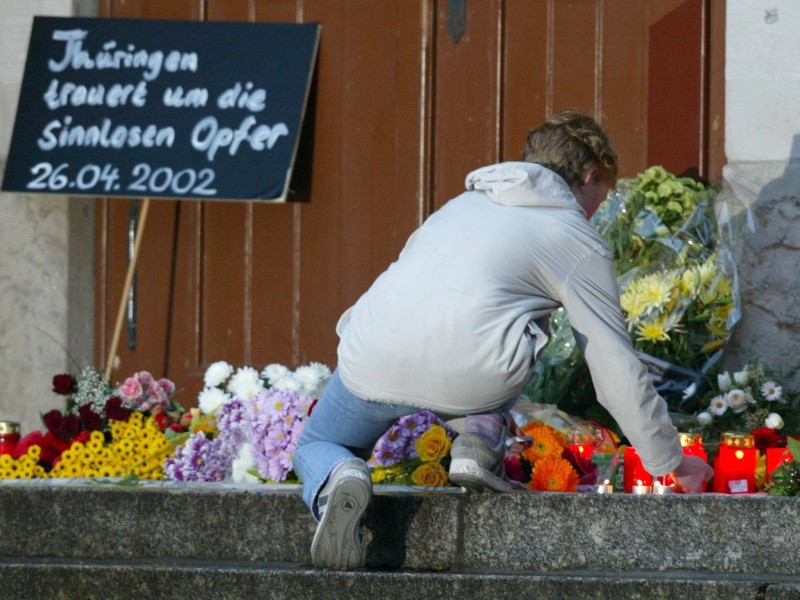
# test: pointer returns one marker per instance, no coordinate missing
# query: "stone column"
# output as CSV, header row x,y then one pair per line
x,y
762,145
46,252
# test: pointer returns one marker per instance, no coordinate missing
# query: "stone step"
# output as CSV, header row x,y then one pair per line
x,y
443,530
31,578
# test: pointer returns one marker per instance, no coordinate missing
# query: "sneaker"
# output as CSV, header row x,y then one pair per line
x,y
338,542
477,466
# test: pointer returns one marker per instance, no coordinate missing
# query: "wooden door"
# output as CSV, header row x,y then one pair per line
x,y
400,112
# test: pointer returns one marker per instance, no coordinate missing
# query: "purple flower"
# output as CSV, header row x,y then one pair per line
x,y
199,459
397,444
274,419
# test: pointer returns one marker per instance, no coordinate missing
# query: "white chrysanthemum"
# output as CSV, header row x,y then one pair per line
x,y
724,381
773,421
275,372
737,400
307,378
217,373
244,463
245,383
288,383
771,391
211,399
704,418
718,405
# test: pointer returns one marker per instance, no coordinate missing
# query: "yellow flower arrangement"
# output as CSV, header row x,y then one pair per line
x,y
25,467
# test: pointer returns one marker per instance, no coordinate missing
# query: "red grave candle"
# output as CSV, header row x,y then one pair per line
x,y
584,451
9,436
735,464
776,456
634,471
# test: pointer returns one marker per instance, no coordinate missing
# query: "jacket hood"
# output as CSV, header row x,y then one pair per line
x,y
522,184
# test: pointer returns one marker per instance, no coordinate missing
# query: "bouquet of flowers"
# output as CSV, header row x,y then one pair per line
x,y
103,430
545,463
414,451
247,423
752,400
676,292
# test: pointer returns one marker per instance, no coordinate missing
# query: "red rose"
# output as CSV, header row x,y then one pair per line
x,y
177,428
767,437
52,420
63,384
83,437
114,410
91,420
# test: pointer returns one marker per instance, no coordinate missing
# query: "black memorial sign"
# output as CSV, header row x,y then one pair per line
x,y
143,108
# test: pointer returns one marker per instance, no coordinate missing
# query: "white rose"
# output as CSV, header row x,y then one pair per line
x,y
704,418
773,421
737,401
724,381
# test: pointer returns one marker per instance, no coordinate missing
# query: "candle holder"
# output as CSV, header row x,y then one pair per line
x,y
634,471
9,436
640,489
775,457
735,464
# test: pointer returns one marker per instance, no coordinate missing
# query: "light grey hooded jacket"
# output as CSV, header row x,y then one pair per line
x,y
451,326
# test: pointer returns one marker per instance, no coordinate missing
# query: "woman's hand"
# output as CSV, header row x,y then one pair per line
x,y
690,474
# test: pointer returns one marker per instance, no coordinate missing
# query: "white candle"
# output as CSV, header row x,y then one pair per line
x,y
641,490
605,487
661,490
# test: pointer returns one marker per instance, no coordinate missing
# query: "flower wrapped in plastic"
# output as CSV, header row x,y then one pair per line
x,y
677,290
414,451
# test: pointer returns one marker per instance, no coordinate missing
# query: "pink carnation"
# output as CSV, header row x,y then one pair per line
x,y
131,389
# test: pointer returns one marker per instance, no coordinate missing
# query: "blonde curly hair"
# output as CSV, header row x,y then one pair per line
x,y
571,143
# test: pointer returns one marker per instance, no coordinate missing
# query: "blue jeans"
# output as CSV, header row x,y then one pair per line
x,y
341,425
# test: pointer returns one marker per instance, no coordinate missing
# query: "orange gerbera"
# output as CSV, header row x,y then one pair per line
x,y
553,474
547,442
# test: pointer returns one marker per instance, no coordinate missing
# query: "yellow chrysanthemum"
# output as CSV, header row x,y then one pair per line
x,y
554,474
652,331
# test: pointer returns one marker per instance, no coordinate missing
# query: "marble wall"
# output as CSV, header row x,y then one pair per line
x,y
762,145
46,252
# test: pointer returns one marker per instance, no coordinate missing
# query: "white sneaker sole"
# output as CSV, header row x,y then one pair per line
x,y
338,543
466,473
